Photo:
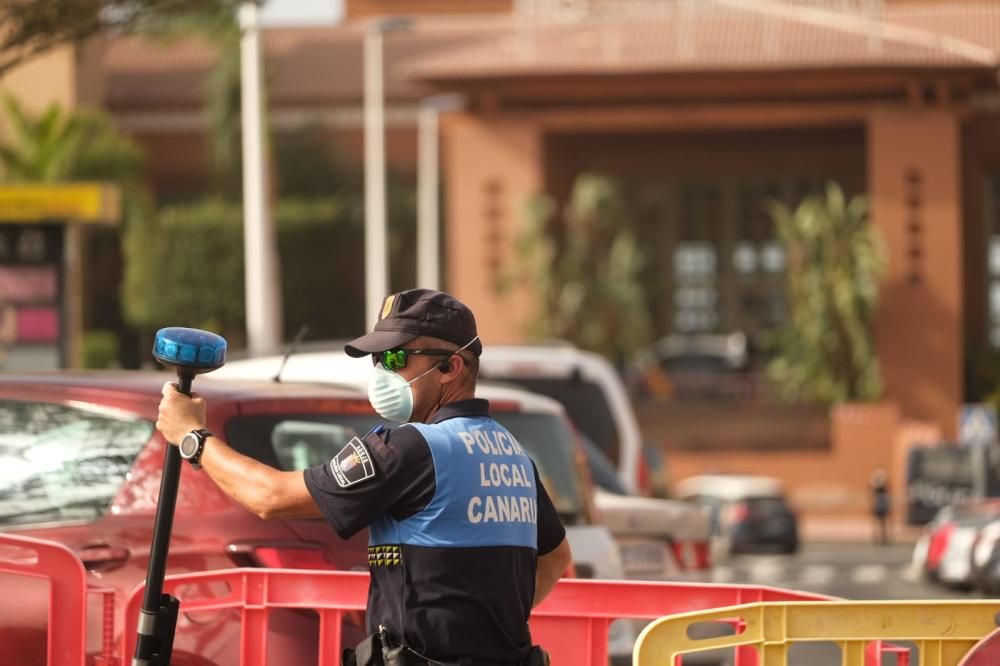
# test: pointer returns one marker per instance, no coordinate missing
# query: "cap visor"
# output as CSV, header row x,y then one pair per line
x,y
377,341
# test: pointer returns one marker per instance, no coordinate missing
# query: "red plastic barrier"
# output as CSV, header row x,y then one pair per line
x,y
256,592
107,656
572,623
67,634
876,651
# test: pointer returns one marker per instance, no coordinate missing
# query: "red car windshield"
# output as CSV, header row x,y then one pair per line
x,y
62,463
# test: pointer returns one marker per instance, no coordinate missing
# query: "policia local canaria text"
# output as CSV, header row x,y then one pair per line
x,y
499,508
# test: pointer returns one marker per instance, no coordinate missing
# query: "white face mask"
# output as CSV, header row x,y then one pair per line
x,y
391,395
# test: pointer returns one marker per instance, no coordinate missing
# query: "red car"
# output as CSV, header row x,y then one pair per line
x,y
80,464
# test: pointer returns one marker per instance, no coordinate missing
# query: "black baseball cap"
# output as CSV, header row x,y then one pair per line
x,y
414,313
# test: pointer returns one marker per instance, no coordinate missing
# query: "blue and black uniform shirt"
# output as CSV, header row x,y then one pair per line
x,y
457,517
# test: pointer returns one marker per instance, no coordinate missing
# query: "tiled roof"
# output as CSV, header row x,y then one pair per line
x,y
309,65
323,65
971,21
735,35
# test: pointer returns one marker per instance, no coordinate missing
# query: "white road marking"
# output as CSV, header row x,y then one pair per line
x,y
818,574
722,574
764,571
866,574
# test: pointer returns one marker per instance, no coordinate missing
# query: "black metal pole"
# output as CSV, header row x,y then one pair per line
x,y
157,619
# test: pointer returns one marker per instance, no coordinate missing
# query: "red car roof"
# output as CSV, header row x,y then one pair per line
x,y
149,383
138,391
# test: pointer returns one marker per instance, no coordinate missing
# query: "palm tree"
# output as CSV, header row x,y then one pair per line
x,y
826,353
585,266
59,145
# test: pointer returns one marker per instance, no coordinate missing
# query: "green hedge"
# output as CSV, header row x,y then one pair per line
x,y
184,267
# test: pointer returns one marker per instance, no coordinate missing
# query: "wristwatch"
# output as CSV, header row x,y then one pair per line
x,y
192,445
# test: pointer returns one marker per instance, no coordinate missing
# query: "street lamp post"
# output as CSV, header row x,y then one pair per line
x,y
376,254
428,188
261,275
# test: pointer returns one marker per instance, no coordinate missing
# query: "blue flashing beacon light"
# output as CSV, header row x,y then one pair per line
x,y
189,350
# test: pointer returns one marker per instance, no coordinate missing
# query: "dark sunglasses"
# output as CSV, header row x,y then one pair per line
x,y
395,359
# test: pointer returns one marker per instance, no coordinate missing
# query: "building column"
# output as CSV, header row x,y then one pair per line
x,y
492,168
914,171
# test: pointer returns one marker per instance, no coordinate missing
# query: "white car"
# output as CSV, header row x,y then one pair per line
x,y
651,530
963,558
585,383
659,538
588,387
682,529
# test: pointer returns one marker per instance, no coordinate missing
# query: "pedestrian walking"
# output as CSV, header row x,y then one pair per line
x,y
880,506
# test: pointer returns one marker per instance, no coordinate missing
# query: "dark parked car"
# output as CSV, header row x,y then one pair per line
x,y
749,513
694,367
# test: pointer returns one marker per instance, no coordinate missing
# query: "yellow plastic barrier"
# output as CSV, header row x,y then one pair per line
x,y
943,631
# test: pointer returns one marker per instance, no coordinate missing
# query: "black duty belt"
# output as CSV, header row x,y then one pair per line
x,y
385,649
530,661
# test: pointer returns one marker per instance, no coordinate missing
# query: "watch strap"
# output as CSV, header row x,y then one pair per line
x,y
202,435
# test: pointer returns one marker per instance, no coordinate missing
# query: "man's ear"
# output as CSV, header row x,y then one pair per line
x,y
450,368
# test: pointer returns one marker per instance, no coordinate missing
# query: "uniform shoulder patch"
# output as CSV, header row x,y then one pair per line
x,y
353,464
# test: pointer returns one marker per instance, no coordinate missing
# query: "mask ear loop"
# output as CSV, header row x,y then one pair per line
x,y
466,346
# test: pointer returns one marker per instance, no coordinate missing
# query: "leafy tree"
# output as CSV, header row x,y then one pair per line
x,y
171,278
59,145
584,264
35,26
826,353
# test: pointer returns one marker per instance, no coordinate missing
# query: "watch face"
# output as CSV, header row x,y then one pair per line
x,y
189,446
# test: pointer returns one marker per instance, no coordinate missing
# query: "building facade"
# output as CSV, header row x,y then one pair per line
x,y
708,110
717,110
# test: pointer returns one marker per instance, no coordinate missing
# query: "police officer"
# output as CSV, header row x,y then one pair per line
x,y
464,541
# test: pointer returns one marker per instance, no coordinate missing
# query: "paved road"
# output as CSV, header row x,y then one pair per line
x,y
851,571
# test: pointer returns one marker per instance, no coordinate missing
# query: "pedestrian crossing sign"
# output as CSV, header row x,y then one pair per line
x,y
977,424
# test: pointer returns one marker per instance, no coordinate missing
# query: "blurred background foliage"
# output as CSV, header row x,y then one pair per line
x,y
826,352
584,263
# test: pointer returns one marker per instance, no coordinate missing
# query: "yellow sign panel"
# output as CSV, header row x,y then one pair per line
x,y
74,202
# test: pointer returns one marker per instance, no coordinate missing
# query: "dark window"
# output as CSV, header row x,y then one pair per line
x,y
549,442
585,404
766,507
296,441
992,213
696,363
60,463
